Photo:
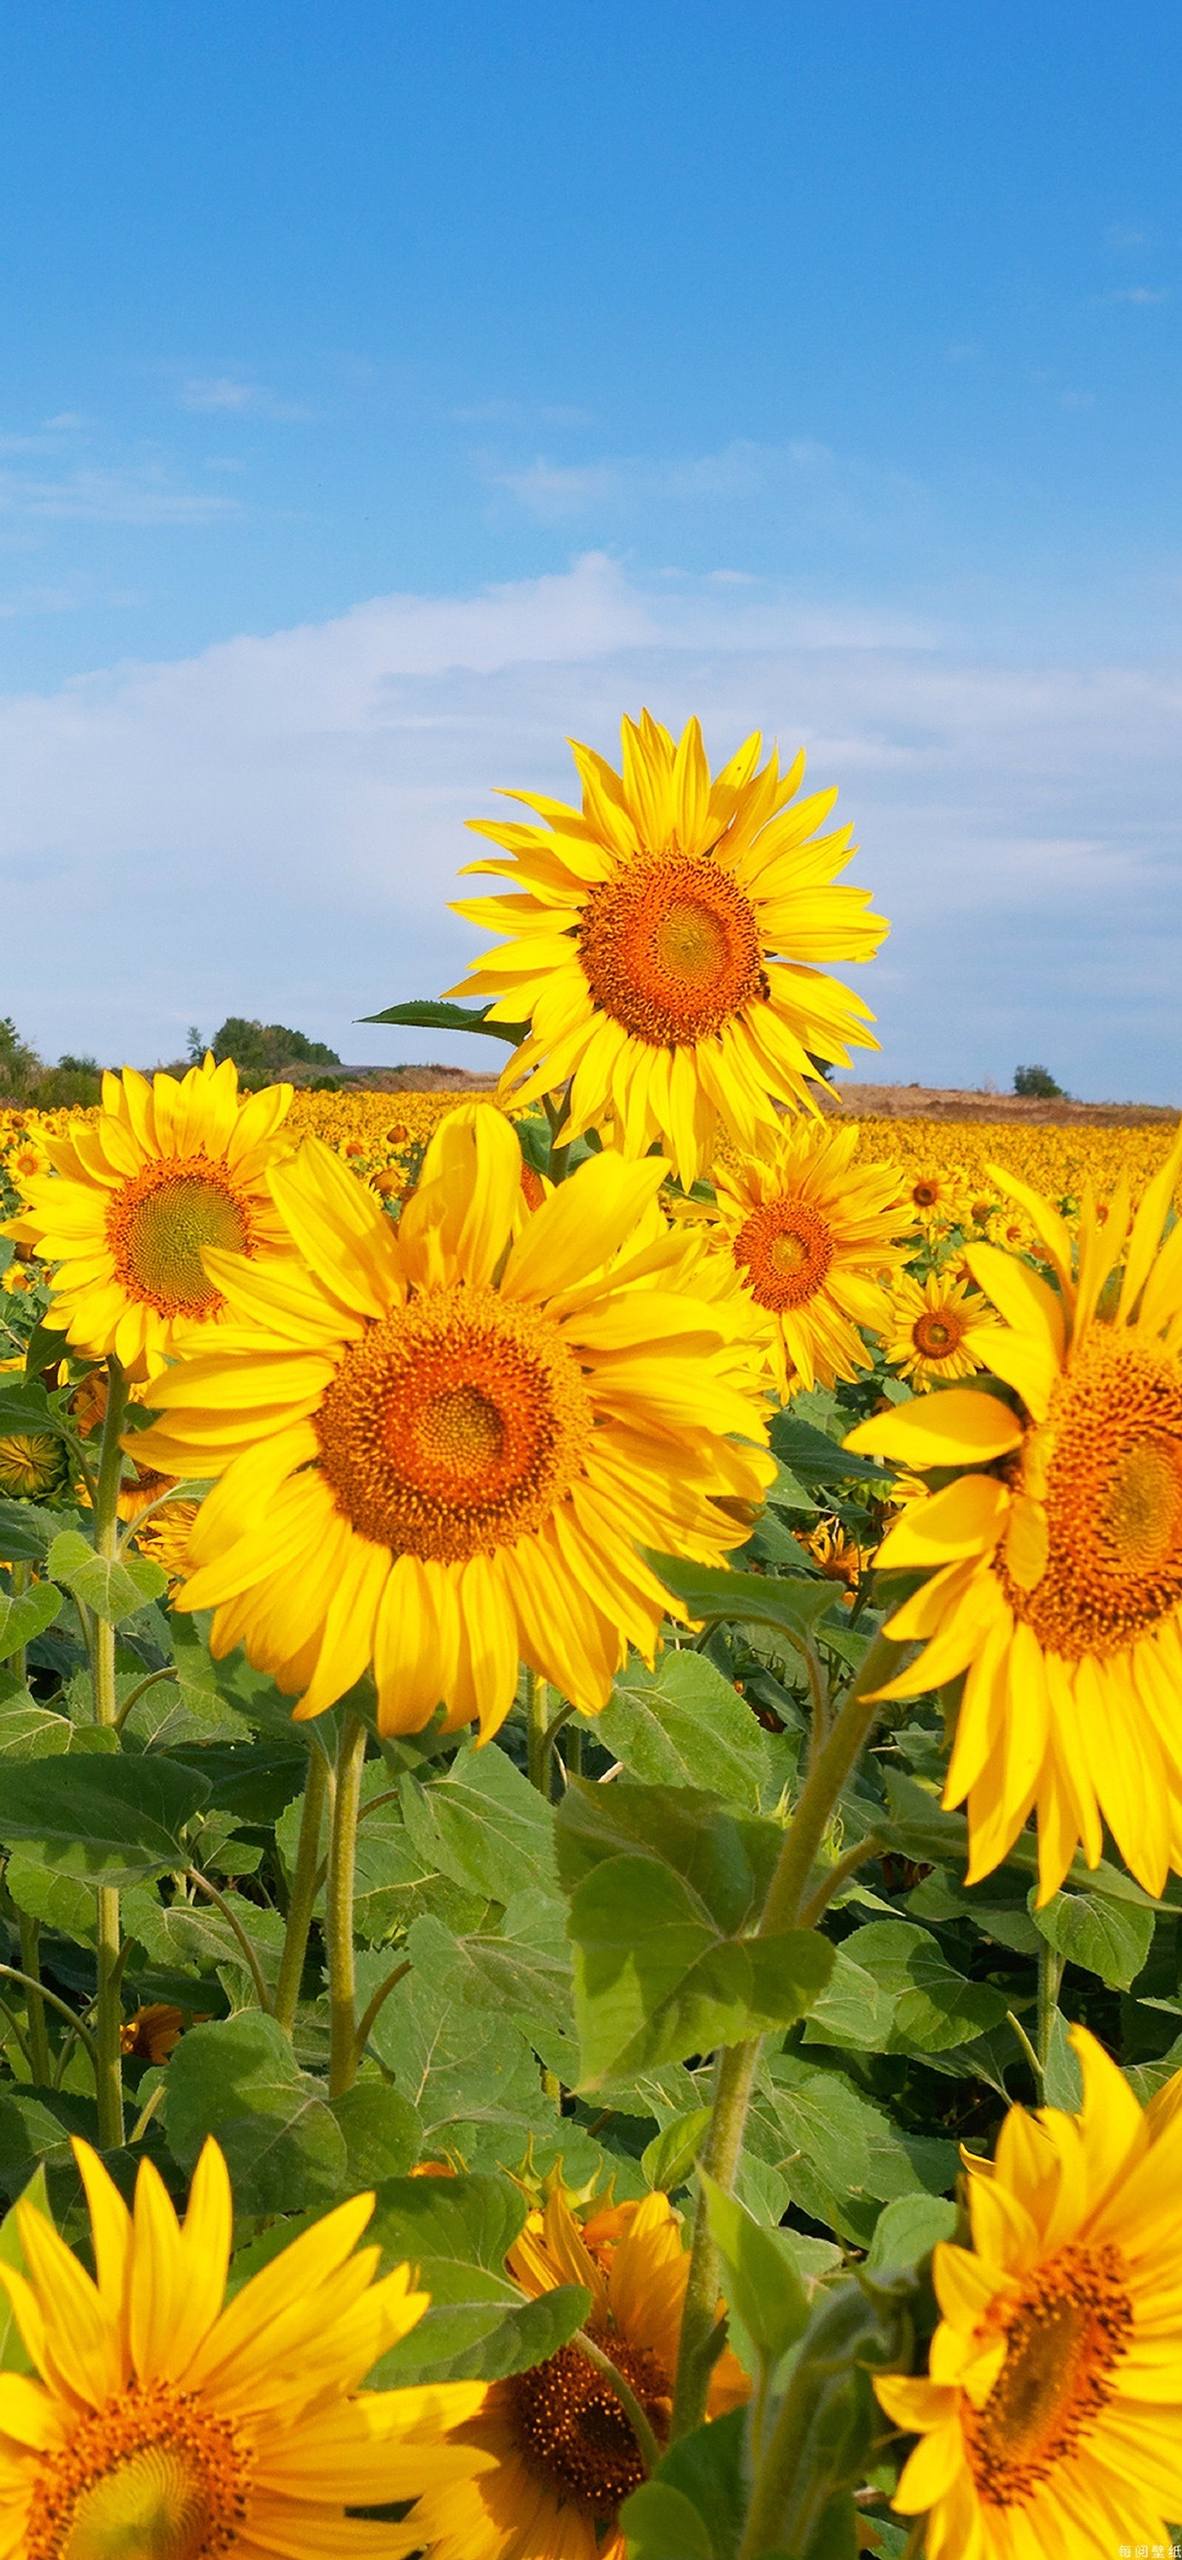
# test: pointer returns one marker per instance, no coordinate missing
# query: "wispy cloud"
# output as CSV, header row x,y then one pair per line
x,y
1141,296
284,816
233,395
1124,236
834,488
135,494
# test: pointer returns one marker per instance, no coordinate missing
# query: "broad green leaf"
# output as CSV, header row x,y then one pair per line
x,y
684,1725
196,1938
834,2152
434,1013
480,2327
25,1616
668,2160
238,2079
35,2131
253,1780
106,1819
522,1968
395,1881
815,1458
695,2505
905,2235
761,2285
383,2136
481,1823
934,2005
1062,2078
30,1732
26,1532
114,1587
855,2008
27,1407
472,2076
1109,1938
793,1604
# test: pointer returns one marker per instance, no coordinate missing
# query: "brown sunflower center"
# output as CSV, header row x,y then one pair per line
x,y
573,2432
1113,1499
159,1222
153,2475
925,1193
784,1250
454,1426
938,1332
671,948
1064,2337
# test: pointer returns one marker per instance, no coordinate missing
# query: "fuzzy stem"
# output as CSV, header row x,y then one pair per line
x,y
108,2005
787,1898
40,2057
304,1883
539,1738
342,1863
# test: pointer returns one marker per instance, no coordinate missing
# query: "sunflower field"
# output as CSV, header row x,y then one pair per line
x,y
591,1792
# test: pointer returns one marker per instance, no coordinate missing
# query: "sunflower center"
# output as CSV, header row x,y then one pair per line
x,y
159,1222
454,1426
937,1333
153,2475
1113,1498
925,1194
1064,2336
784,1250
671,949
573,2432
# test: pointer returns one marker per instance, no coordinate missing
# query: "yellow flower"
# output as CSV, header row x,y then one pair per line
x,y
933,1328
18,1279
1055,1563
935,1196
167,1537
160,2425
163,1170
154,2032
31,1463
839,1557
813,1236
664,941
1051,2419
444,1442
561,2450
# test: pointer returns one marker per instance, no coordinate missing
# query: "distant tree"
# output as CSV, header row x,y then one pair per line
x,y
194,1045
1036,1084
20,1065
266,1048
73,1085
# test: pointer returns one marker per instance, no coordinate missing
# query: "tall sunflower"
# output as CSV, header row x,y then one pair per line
x,y
560,2454
444,1444
1051,2418
664,942
158,2425
136,1194
1054,1561
933,1328
813,1237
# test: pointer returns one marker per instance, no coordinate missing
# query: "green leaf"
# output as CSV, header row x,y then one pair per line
x,y
253,1780
35,2130
482,1824
668,2160
793,1604
113,1587
667,1962
905,2235
434,1013
30,1732
196,1938
107,1819
695,2505
816,1459
25,1616
762,2286
523,1969
14,2357
383,2136
1062,2078
685,1725
238,2079
855,2009
1109,1938
836,2154
26,1532
27,1407
935,2007
395,1880
457,2233
472,2078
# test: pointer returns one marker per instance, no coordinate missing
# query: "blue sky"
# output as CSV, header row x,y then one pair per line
x,y
388,393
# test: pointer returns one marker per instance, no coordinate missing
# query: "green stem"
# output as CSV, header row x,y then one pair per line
x,y
12,1973
20,1583
374,2007
787,1898
857,1855
538,1733
342,1863
304,1882
1027,2048
1050,1976
108,2006
229,1915
40,2057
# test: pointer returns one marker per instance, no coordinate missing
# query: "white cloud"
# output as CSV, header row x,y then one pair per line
x,y
275,826
139,493
1142,296
232,395
834,490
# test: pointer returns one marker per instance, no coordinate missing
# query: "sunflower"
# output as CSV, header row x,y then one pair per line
x,y
154,2032
935,1198
933,1328
560,2448
664,941
163,1170
1054,1563
32,1463
813,1236
442,1444
167,1537
1051,2418
158,2425
837,1555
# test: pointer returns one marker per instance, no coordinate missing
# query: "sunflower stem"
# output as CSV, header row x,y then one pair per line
x,y
40,2057
108,2005
787,1901
342,1864
539,1737
304,1884
1050,1976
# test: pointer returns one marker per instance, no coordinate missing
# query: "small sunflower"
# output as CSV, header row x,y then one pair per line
x,y
136,1194
167,1538
559,2449
664,942
838,1556
929,1334
159,2425
442,1445
1050,2422
935,1198
813,1237
32,1463
1054,1562
153,2032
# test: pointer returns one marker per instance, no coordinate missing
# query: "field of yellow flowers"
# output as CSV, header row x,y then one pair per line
x,y
591,1793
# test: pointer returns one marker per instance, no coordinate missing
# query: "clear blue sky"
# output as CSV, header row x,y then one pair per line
x,y
838,342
